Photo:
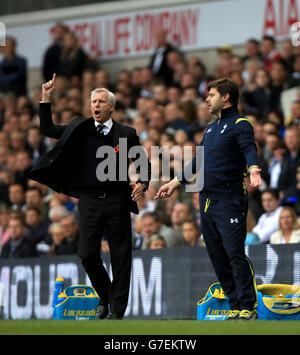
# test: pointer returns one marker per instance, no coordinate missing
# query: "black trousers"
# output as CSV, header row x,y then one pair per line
x,y
110,215
224,227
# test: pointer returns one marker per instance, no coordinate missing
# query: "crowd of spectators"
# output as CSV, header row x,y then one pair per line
x,y
165,102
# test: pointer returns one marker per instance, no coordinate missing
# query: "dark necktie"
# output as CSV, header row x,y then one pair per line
x,y
100,128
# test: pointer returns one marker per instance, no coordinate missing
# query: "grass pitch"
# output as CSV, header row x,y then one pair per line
x,y
148,327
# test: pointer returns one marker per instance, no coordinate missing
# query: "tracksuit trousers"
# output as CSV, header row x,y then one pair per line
x,y
224,227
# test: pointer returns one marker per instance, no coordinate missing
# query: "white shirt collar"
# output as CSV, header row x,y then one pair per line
x,y
107,126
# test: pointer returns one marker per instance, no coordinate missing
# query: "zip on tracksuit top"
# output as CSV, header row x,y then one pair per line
x,y
229,147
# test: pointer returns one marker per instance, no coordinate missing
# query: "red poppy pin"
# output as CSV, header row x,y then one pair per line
x,y
116,149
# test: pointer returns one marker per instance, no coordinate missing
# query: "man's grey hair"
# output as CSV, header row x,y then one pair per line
x,y
59,211
73,217
111,96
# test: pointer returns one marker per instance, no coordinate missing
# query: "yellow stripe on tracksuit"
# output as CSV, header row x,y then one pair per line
x,y
206,205
254,281
252,166
176,178
243,119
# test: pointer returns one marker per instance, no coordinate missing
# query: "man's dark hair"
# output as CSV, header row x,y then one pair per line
x,y
254,41
35,127
18,217
226,86
35,209
153,215
273,192
35,188
269,38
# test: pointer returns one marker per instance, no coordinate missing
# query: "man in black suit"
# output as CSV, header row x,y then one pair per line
x,y
159,60
73,167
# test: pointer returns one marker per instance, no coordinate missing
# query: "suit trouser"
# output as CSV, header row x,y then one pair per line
x,y
110,215
224,227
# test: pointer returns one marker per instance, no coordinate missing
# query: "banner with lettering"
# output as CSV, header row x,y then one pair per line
x,y
191,27
165,283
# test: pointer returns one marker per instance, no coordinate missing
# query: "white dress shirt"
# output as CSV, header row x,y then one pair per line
x,y
267,224
107,126
158,59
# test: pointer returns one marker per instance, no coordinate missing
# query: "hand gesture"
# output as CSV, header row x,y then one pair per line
x,y
166,190
255,178
48,89
137,191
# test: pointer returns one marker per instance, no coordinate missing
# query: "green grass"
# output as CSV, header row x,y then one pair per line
x,y
148,327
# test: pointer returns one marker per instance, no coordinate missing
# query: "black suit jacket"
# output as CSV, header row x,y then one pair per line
x,y
57,168
287,182
164,72
25,249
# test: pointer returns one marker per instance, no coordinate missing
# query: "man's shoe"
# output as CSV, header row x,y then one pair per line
x,y
115,316
101,311
233,315
245,314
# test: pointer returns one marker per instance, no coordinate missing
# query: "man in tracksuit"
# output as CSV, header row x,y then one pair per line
x,y
229,151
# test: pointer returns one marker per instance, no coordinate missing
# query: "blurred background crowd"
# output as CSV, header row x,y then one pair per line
x,y
165,102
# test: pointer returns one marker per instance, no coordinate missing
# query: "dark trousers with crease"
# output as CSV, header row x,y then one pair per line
x,y
110,215
224,231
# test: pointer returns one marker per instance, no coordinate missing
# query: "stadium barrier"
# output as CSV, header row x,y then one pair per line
x,y
275,302
165,283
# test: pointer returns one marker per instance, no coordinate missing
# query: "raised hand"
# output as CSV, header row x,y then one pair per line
x,y
48,89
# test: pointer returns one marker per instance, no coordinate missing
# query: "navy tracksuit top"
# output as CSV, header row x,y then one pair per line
x,y
229,148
